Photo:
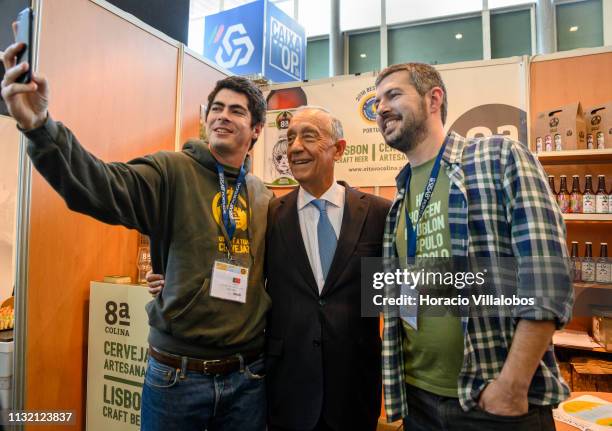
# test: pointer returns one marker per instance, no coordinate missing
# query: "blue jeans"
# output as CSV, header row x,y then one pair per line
x,y
198,401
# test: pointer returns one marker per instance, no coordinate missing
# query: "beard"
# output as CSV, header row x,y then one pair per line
x,y
411,133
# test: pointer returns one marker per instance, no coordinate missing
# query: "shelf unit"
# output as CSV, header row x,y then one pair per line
x,y
593,285
587,217
575,156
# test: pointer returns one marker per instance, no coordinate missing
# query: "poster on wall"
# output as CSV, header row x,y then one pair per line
x,y
484,98
278,172
117,356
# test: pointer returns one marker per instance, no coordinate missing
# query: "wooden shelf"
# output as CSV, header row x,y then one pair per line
x,y
588,349
567,343
587,217
593,285
575,156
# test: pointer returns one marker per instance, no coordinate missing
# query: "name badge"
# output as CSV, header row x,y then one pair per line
x,y
229,281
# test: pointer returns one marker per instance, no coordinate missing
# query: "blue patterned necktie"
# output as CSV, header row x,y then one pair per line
x,y
326,236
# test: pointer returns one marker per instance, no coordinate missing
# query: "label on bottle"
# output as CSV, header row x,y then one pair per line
x,y
588,271
588,204
601,204
576,269
602,272
564,203
576,203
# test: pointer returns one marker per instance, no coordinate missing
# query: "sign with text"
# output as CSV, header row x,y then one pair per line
x,y
234,38
485,98
237,40
285,58
117,356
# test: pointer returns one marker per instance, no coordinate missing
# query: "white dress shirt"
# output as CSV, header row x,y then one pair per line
x,y
308,215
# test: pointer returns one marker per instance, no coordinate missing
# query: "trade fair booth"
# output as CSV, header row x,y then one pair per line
x,y
79,343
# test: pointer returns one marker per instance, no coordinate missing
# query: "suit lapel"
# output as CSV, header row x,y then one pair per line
x,y
353,218
292,234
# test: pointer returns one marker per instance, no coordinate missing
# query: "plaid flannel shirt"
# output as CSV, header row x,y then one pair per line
x,y
499,205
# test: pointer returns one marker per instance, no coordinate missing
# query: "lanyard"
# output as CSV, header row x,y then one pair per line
x,y
227,211
411,234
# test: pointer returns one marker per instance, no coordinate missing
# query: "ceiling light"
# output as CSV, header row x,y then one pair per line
x,y
458,36
363,55
574,28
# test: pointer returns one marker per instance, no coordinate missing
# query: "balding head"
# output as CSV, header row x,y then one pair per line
x,y
315,144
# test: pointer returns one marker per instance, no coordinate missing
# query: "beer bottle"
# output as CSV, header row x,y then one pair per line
x,y
601,197
601,144
576,195
551,184
602,267
563,198
575,265
588,266
588,198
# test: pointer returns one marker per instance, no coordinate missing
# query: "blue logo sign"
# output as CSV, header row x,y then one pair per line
x,y
233,38
285,47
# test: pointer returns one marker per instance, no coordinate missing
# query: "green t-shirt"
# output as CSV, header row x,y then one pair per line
x,y
433,354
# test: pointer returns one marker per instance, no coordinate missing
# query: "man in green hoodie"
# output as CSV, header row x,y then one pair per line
x,y
206,219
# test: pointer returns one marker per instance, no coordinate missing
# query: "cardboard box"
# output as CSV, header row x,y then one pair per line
x,y
599,125
560,129
602,327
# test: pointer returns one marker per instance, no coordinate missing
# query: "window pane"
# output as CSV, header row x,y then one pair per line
x,y
364,52
443,42
494,4
579,25
285,5
511,34
315,16
230,4
355,15
399,11
198,9
317,59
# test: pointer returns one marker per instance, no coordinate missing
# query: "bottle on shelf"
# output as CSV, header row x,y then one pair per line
x,y
558,144
601,144
548,143
588,265
588,198
575,262
589,141
563,197
551,184
602,266
539,145
601,197
576,195
143,260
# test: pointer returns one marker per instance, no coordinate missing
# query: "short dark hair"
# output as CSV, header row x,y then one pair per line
x,y
256,101
423,77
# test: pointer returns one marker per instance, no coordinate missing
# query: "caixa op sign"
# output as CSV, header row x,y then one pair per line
x,y
236,40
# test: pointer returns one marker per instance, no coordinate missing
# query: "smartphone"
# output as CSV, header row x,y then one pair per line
x,y
24,35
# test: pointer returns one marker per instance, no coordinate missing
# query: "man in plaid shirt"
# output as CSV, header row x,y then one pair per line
x,y
490,199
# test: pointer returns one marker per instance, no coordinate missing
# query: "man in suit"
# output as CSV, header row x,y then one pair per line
x,y
323,359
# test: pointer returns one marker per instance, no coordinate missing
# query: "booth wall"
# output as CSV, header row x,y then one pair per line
x,y
9,137
198,80
558,82
114,85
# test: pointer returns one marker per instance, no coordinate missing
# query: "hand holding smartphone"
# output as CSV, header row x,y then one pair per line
x,y
24,35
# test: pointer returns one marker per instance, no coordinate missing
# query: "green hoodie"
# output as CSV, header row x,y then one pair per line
x,y
173,197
